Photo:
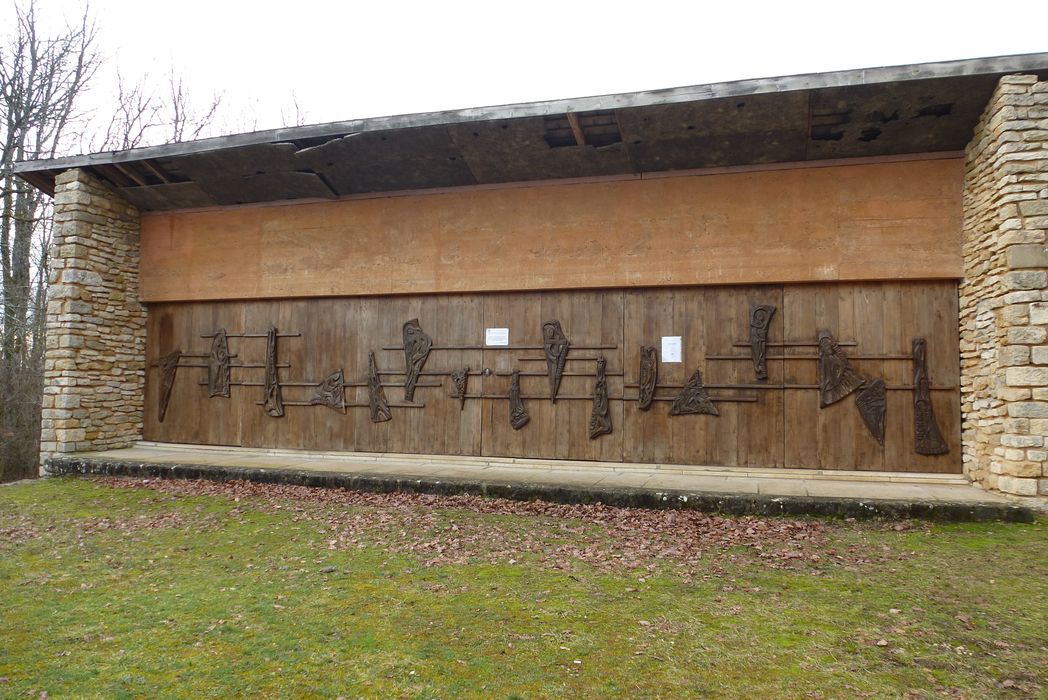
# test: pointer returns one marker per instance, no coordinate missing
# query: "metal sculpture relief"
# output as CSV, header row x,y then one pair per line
x,y
376,396
168,367
693,398
459,380
218,366
649,376
600,417
518,415
555,345
331,392
928,439
760,318
274,399
837,379
416,349
872,402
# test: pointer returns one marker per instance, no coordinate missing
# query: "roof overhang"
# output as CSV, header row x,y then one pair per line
x,y
923,108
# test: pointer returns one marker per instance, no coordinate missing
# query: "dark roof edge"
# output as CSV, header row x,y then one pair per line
x,y
694,93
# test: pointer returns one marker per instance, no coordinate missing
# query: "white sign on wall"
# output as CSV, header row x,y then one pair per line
x,y
496,336
671,348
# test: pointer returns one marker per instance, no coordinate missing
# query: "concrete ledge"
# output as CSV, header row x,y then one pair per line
x,y
727,503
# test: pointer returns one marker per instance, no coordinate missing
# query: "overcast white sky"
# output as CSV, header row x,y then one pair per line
x,y
344,60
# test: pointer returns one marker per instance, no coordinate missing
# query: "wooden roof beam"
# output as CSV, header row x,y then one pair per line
x,y
576,128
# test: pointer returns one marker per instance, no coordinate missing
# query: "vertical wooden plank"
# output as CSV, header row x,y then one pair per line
x,y
801,406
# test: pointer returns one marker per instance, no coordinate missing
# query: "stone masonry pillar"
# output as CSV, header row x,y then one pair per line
x,y
1004,294
94,363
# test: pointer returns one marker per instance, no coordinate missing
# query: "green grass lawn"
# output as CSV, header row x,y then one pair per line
x,y
112,588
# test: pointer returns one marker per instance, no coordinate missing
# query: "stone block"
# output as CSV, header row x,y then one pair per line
x,y
1017,485
1028,256
87,277
67,401
1012,440
1034,207
1026,279
1028,409
1015,314
1039,313
1027,376
1039,354
1022,469
1027,335
1013,355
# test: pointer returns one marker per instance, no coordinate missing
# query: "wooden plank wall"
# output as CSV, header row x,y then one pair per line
x,y
783,428
871,221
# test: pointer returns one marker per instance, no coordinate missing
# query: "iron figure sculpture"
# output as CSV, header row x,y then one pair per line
x,y
649,376
416,349
760,318
168,368
555,345
273,399
376,396
459,380
872,402
837,379
600,417
331,392
927,437
218,366
693,399
518,415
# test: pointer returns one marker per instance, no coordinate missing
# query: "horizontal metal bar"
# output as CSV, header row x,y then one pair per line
x,y
355,404
897,387
896,356
253,335
587,358
795,344
427,373
315,384
503,347
504,373
243,365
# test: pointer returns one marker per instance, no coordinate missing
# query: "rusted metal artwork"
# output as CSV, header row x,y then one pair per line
x,y
837,379
459,381
331,392
693,398
376,395
416,349
872,402
518,415
649,376
168,368
273,400
760,318
600,417
927,438
218,366
555,345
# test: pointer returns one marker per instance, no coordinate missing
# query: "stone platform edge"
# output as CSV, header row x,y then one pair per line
x,y
624,497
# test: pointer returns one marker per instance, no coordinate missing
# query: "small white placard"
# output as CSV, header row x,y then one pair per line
x,y
496,336
670,348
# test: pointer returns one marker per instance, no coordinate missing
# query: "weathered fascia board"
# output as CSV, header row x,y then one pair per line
x,y
886,221
1037,62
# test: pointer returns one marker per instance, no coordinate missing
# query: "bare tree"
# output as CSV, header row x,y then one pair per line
x,y
294,115
41,78
145,116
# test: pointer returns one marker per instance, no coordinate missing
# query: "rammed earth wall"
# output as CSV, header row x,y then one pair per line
x,y
94,367
1004,294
